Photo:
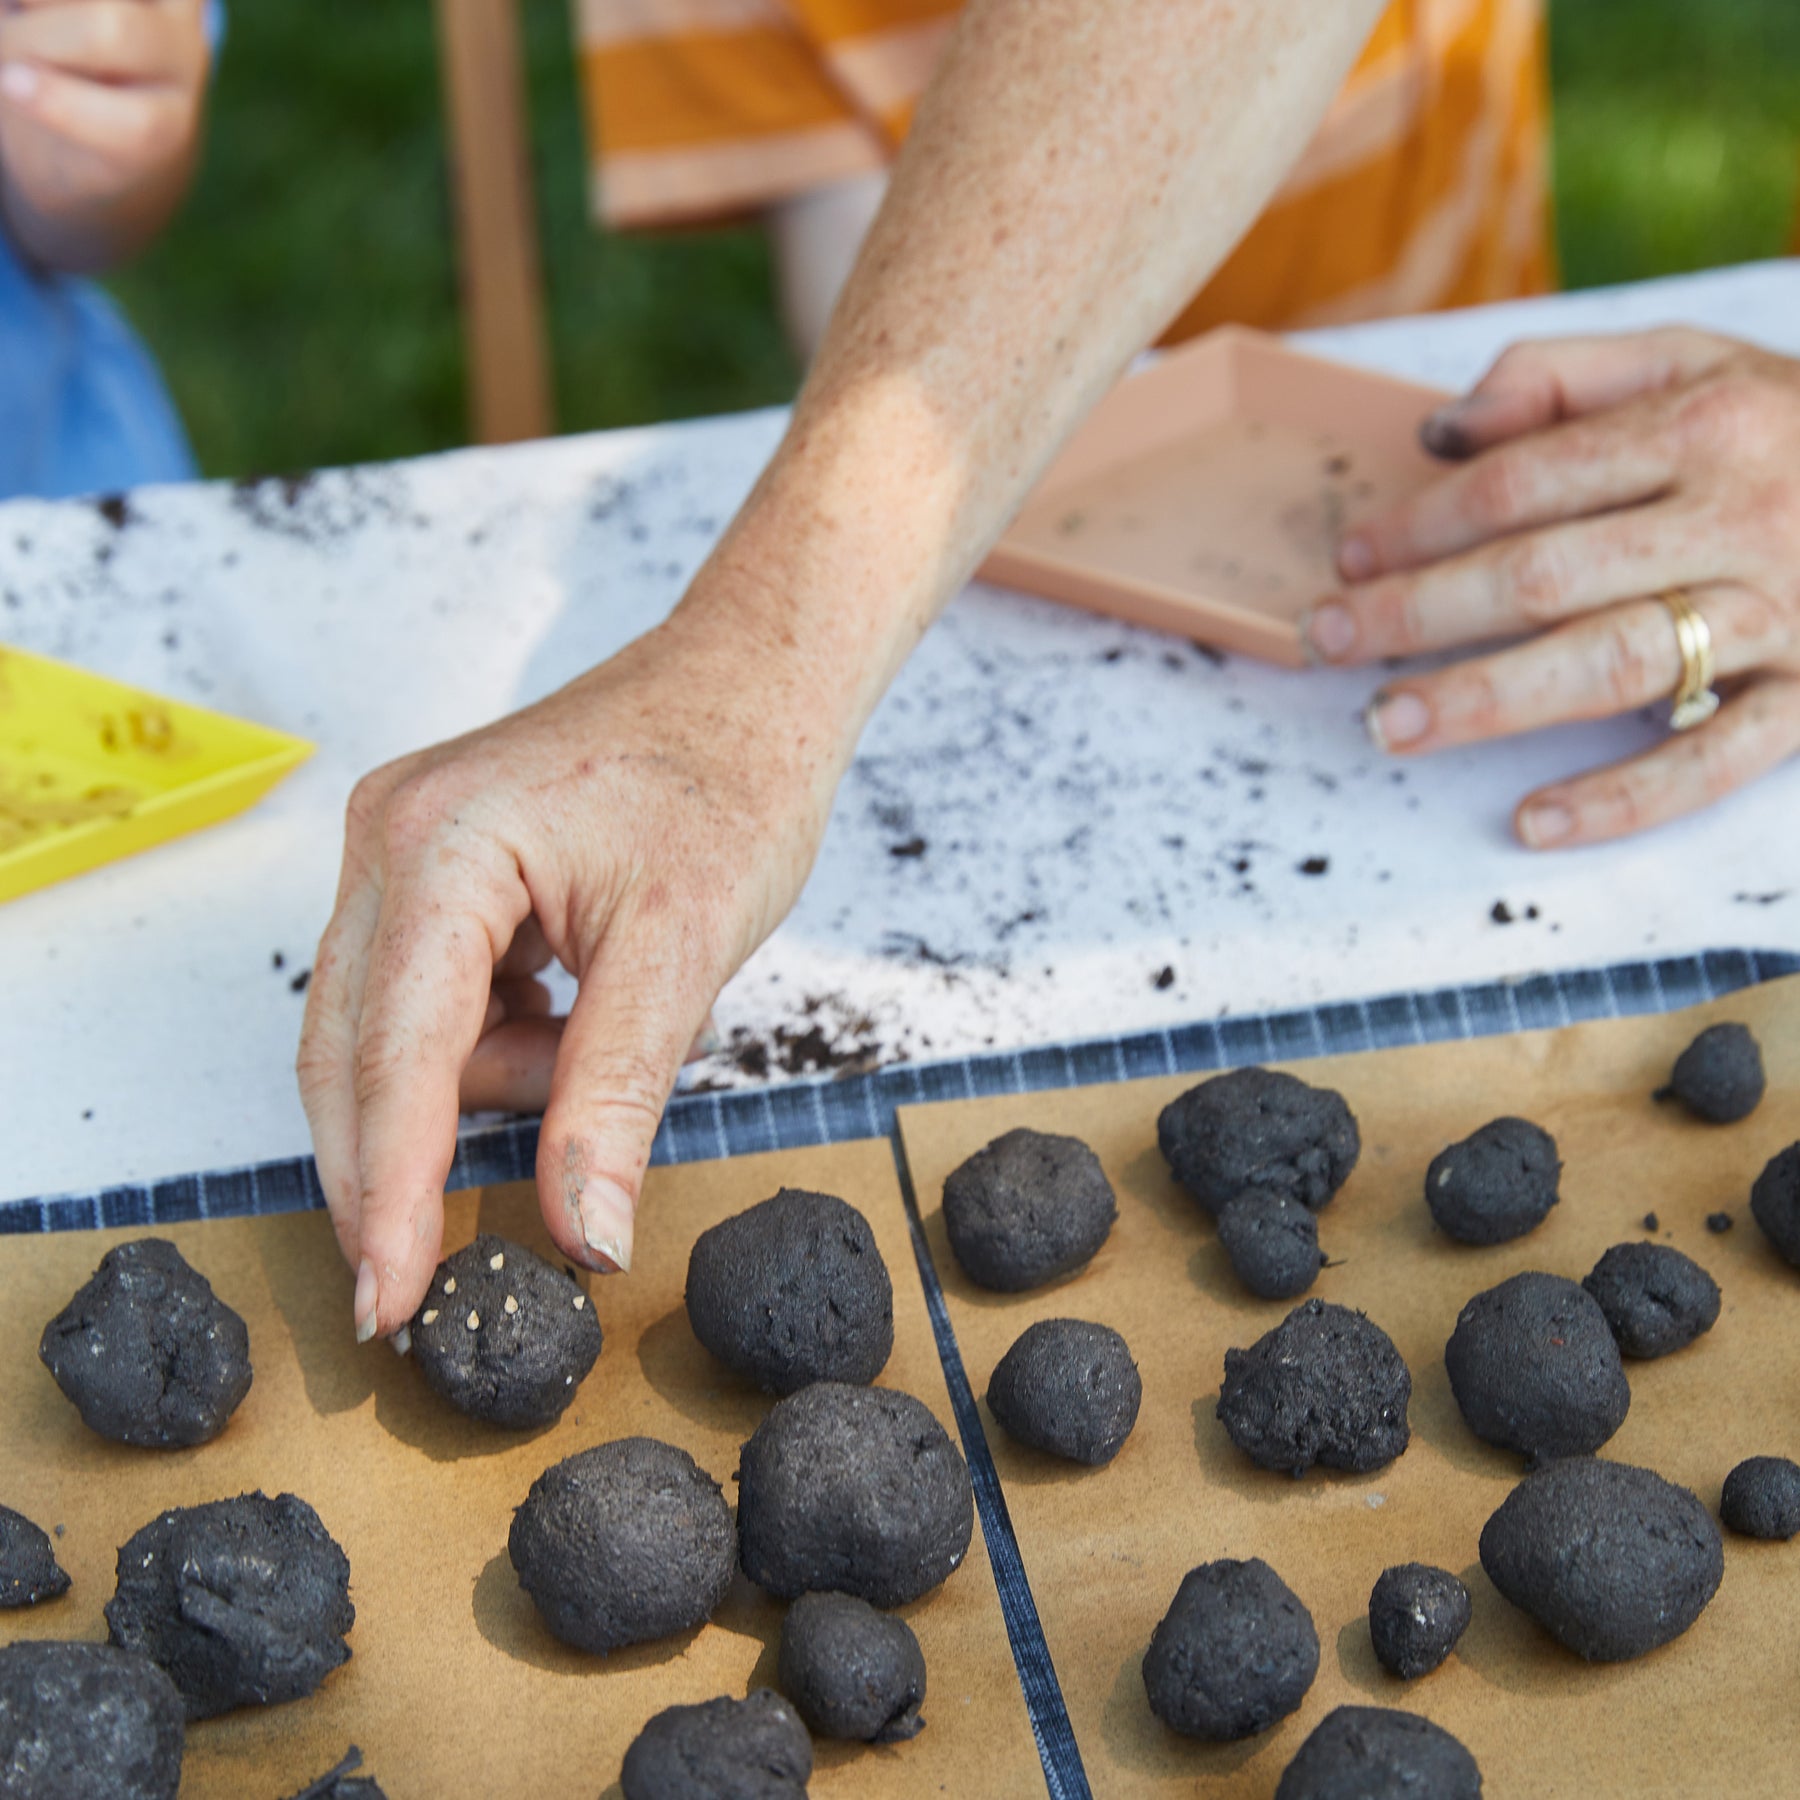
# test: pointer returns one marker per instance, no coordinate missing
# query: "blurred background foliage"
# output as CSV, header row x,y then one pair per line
x,y
304,306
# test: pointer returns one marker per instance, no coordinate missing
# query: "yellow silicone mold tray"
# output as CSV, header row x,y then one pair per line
x,y
92,770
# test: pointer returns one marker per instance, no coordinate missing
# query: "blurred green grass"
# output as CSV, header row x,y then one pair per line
x,y
304,306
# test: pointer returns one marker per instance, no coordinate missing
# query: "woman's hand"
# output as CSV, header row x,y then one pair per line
x,y
100,109
647,826
1596,474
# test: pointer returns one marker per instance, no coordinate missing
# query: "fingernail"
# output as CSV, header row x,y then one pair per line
x,y
1446,433
1395,720
401,1341
367,1296
1356,557
1331,630
710,1041
1546,823
606,1221
19,81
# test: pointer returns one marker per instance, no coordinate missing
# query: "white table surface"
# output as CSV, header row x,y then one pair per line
x,y
1112,825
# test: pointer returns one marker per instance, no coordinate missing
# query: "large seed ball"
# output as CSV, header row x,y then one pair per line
x,y
147,1351
1775,1202
1611,1560
503,1336
87,1722
851,1671
1273,1243
1416,1615
1719,1076
1535,1368
624,1543
1028,1208
1655,1299
1068,1387
1376,1753
852,1490
1497,1184
1761,1498
793,1290
1235,1652
243,1602
1258,1128
754,1749
1325,1386
29,1571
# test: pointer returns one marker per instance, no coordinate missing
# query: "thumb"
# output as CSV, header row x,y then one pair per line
x,y
638,1010
1535,384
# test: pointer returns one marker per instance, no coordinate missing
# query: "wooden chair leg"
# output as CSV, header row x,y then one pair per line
x,y
497,241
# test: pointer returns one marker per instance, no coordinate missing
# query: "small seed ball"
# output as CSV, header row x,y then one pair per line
x,y
724,1749
1235,1652
1027,1209
1273,1243
1719,1076
1762,1498
852,1671
1378,1753
1416,1615
1068,1387
1655,1299
1259,1128
1497,1184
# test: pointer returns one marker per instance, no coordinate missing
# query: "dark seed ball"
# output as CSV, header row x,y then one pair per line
x,y
622,1544
1535,1368
1611,1560
851,1671
87,1720
1497,1184
1719,1076
1416,1615
1259,1128
343,1783
243,1602
1762,1498
1273,1244
29,1571
504,1336
150,1355
1068,1387
1235,1652
1775,1202
1325,1386
1376,1753
751,1749
1655,1299
1029,1208
852,1490
793,1290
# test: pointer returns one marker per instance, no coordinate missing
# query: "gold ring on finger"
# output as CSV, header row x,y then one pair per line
x,y
1694,701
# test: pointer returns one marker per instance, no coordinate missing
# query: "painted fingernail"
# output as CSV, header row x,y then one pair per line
x,y
367,1297
19,81
606,1221
1545,823
1331,630
1396,720
1356,557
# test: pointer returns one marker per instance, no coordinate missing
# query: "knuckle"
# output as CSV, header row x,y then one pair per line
x,y
1532,580
1719,761
1479,706
1728,413
1614,804
1498,489
1625,677
380,1067
418,806
1392,619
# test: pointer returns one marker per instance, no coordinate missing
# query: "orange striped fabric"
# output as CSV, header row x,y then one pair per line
x,y
1425,186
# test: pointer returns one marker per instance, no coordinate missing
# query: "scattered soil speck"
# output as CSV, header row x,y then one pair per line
x,y
298,984
115,509
913,847
1651,1222
1163,978
1718,1223
1315,865
1500,913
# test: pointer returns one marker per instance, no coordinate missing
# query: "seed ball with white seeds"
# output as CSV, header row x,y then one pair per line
x,y
1497,1184
29,1571
1259,1128
504,1336
793,1290
1273,1243
851,1670
724,1749
1416,1615
81,1720
149,1354
853,1490
1719,1076
1655,1299
1379,1753
1068,1387
623,1544
1761,1498
1029,1208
